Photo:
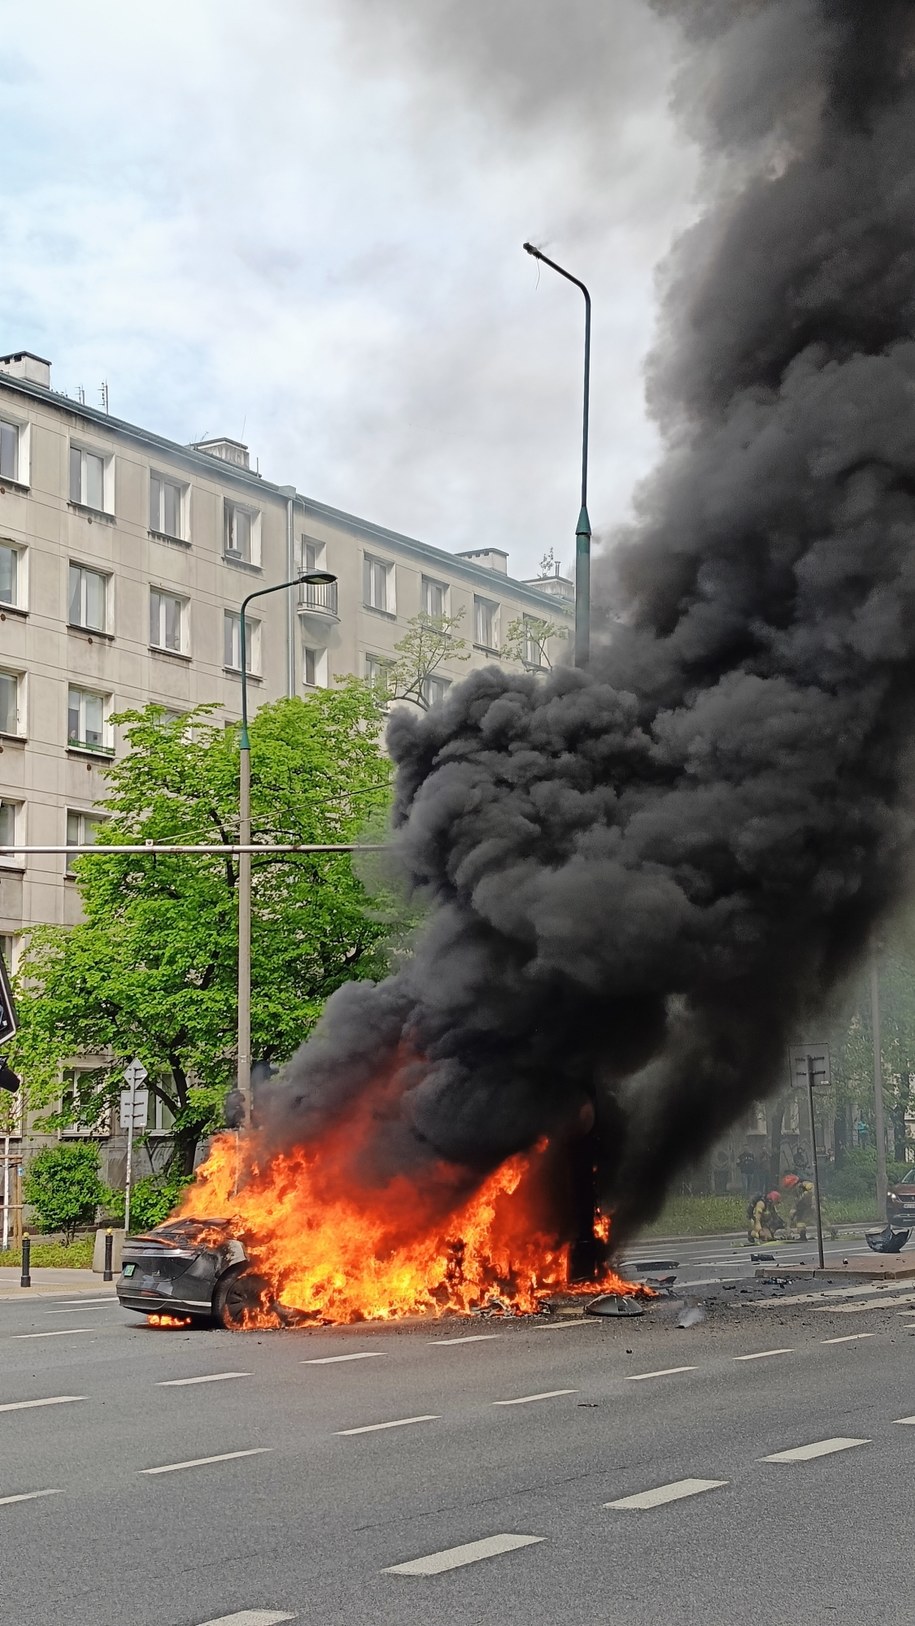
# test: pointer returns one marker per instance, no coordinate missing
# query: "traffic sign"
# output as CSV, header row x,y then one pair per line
x,y
134,1109
810,1065
135,1074
8,1022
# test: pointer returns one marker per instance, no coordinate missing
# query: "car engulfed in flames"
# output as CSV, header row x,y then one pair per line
x,y
191,1272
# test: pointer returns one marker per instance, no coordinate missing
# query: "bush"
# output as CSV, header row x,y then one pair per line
x,y
152,1199
63,1185
855,1180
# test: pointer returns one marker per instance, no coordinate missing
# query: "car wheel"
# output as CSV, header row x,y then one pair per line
x,y
239,1294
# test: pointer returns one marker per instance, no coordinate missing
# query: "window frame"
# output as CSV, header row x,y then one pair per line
x,y
230,550
106,459
252,644
19,733
320,680
372,562
13,860
82,815
533,652
106,745
444,588
183,604
381,662
164,481
21,429
80,1130
434,680
494,607
105,578
19,552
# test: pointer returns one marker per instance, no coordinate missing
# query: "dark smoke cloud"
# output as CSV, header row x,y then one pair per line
x,y
643,878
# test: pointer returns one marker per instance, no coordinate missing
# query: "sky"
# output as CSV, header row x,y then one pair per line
x,y
300,224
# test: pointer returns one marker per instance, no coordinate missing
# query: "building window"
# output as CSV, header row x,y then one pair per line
x,y
434,689
11,703
11,832
313,554
378,672
82,831
82,1098
166,501
378,584
9,948
232,644
87,726
87,479
242,533
161,1120
88,601
533,642
11,575
434,598
485,622
167,621
9,450
315,668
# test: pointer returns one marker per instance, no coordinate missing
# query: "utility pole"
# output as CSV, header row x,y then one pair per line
x,y
879,1124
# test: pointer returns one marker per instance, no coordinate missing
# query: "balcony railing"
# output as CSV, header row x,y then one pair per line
x,y
318,598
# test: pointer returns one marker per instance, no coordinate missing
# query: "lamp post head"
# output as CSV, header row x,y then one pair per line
x,y
316,578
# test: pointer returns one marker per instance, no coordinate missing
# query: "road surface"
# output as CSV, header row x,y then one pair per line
x,y
754,1468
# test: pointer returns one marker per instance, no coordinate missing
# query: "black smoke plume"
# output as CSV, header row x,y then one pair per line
x,y
643,879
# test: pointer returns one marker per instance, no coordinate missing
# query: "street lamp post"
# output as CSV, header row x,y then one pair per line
x,y
583,528
243,1083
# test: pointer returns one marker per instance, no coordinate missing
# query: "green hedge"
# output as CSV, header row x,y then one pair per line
x,y
54,1255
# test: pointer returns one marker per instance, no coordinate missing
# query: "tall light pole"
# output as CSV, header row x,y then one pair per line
x,y
583,528
879,1122
243,1084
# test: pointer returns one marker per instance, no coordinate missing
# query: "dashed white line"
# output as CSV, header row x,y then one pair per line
x,y
819,1448
526,1400
59,1332
665,1372
675,1492
252,1617
470,1552
51,1400
850,1338
471,1338
94,1304
201,1462
868,1304
28,1496
763,1354
570,1321
904,1420
211,1377
77,1304
398,1422
331,1360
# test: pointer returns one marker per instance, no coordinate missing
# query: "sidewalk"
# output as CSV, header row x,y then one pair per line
x,y
51,1283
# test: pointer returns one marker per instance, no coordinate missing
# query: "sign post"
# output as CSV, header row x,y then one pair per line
x,y
134,1115
810,1067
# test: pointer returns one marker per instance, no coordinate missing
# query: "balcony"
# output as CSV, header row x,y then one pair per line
x,y
319,598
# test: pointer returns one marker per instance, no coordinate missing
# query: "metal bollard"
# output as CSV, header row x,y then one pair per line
x,y
25,1279
108,1273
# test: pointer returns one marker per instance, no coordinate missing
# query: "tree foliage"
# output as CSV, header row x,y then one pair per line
x,y
428,641
151,971
528,638
63,1185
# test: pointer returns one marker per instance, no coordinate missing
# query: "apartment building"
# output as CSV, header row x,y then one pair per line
x,y
124,559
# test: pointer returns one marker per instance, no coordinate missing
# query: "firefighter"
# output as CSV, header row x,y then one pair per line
x,y
757,1226
774,1219
802,1208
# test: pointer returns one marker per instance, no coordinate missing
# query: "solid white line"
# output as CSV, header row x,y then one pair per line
x,y
97,1304
200,1462
76,1304
212,1377
525,1400
472,1338
251,1617
398,1422
868,1304
763,1354
471,1552
668,1493
331,1360
563,1326
52,1400
850,1338
665,1372
819,1448
59,1332
28,1496
904,1419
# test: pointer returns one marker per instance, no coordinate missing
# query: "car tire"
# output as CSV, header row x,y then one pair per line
x,y
238,1294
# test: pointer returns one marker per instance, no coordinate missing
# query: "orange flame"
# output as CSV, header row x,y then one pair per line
x,y
331,1249
168,1321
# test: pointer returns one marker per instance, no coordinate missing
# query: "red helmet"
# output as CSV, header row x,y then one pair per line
x,y
774,1197
791,1180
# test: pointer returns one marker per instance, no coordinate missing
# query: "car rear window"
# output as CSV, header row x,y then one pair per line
x,y
908,1178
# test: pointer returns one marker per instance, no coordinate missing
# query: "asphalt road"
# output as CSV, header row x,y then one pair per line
x,y
702,1260
171,1478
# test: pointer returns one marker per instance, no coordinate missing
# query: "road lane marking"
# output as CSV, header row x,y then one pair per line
x,y
570,1321
763,1354
525,1400
904,1419
59,1332
819,1448
96,1304
211,1377
52,1400
201,1462
850,1338
471,1338
252,1617
331,1360
398,1422
77,1304
674,1492
890,1291
869,1304
470,1552
28,1496
665,1372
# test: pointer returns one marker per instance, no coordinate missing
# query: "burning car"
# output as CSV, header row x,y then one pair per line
x,y
193,1269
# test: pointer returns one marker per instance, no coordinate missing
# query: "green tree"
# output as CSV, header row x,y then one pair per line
x,y
63,1185
151,971
528,638
428,642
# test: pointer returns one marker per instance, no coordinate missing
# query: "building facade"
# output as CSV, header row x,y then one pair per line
x,y
124,559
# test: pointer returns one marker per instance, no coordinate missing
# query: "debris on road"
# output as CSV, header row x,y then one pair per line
x,y
613,1304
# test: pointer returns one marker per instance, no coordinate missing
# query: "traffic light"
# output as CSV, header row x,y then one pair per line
x,y
8,1079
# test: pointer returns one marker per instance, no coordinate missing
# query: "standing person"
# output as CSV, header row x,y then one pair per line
x,y
746,1163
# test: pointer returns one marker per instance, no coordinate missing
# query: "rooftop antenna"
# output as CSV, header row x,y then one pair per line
x,y
80,395
103,394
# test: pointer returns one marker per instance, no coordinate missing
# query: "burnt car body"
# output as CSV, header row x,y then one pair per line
x,y
195,1268
900,1201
